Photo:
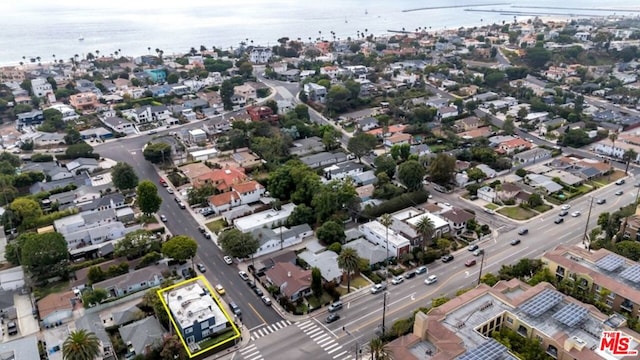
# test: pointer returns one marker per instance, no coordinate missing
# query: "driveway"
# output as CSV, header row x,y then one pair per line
x,y
26,323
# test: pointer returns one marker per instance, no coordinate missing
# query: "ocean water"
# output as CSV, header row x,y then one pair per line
x,y
46,29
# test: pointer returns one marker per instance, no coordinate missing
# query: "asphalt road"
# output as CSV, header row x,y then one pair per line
x,y
254,312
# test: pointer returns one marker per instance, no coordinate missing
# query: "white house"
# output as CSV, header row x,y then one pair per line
x,y
68,113
349,169
315,92
41,87
79,164
277,239
240,194
376,233
197,135
448,112
487,194
120,125
267,218
260,55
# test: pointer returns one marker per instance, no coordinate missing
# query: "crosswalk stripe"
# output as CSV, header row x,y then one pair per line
x,y
279,325
321,337
305,325
272,329
287,322
257,357
341,354
252,353
314,332
331,351
248,348
324,341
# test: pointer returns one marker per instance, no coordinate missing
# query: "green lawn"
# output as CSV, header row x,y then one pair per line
x,y
216,226
315,303
491,206
543,208
516,212
53,288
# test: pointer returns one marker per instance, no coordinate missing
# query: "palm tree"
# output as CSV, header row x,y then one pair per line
x,y
379,350
386,220
613,137
81,345
629,156
348,261
426,229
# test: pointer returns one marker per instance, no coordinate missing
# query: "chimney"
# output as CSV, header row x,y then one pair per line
x,y
289,274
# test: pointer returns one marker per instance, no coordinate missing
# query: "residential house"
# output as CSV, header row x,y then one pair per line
x,y
420,150
133,281
89,228
487,194
195,313
294,283
264,219
119,125
194,170
489,172
447,112
330,71
41,88
260,55
349,169
374,254
315,92
262,113
307,146
57,308
92,323
398,139
143,336
157,75
376,233
367,123
543,182
197,136
82,102
565,177
43,139
221,179
245,91
365,192
457,219
30,118
467,124
240,194
511,146
246,159
68,113
532,155
82,164
323,159
327,262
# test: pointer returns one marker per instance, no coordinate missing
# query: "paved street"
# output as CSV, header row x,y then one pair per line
x,y
254,313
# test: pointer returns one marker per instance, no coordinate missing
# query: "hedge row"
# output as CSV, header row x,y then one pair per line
x,y
396,204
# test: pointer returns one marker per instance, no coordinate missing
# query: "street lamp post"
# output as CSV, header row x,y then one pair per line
x,y
481,265
586,226
384,310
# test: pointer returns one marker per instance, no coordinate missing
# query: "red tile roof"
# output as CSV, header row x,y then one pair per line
x,y
248,186
223,179
223,198
55,302
287,273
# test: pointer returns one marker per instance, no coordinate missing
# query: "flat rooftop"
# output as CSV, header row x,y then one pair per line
x,y
191,303
258,220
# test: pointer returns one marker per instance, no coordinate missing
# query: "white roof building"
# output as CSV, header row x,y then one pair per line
x,y
266,218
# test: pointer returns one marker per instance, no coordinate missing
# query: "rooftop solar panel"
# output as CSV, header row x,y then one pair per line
x,y
610,262
571,315
542,302
490,350
631,273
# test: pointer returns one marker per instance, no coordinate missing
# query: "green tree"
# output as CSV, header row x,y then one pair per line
x,y
26,210
386,220
124,176
332,199
302,214
135,244
237,244
148,199
157,153
508,127
173,78
72,137
338,99
245,69
385,164
629,156
379,350
81,149
400,152
442,169
226,93
330,137
172,349
180,248
411,173
361,144
302,111
426,228
45,254
81,345
94,297
95,274
535,200
316,282
331,232
348,261
537,57
476,174
272,104
13,160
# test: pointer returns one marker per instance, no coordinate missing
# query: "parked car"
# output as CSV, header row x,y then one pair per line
x,y
478,252
332,317
431,280
266,300
243,275
182,205
202,229
515,242
228,260
186,273
201,267
447,258
335,306
410,274
523,231
163,218
378,288
235,309
421,270
170,190
473,247
470,262
559,220
257,291
566,207
220,290
397,280
620,182
12,328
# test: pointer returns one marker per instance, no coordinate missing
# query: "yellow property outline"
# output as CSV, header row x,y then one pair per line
x,y
214,295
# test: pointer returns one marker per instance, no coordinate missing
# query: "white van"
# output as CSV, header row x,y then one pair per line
x,y
431,280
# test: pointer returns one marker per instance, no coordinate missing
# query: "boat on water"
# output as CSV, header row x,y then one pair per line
x,y
81,38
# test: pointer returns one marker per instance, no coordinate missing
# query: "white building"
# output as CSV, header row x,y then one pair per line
x,y
197,135
260,55
203,155
68,113
272,240
120,125
40,87
266,218
376,233
240,194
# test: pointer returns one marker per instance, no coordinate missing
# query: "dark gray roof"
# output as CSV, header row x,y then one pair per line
x,y
323,156
367,121
6,299
147,331
22,348
91,322
115,121
345,167
125,316
590,172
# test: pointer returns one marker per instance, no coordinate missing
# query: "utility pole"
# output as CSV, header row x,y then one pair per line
x,y
586,226
384,310
481,265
